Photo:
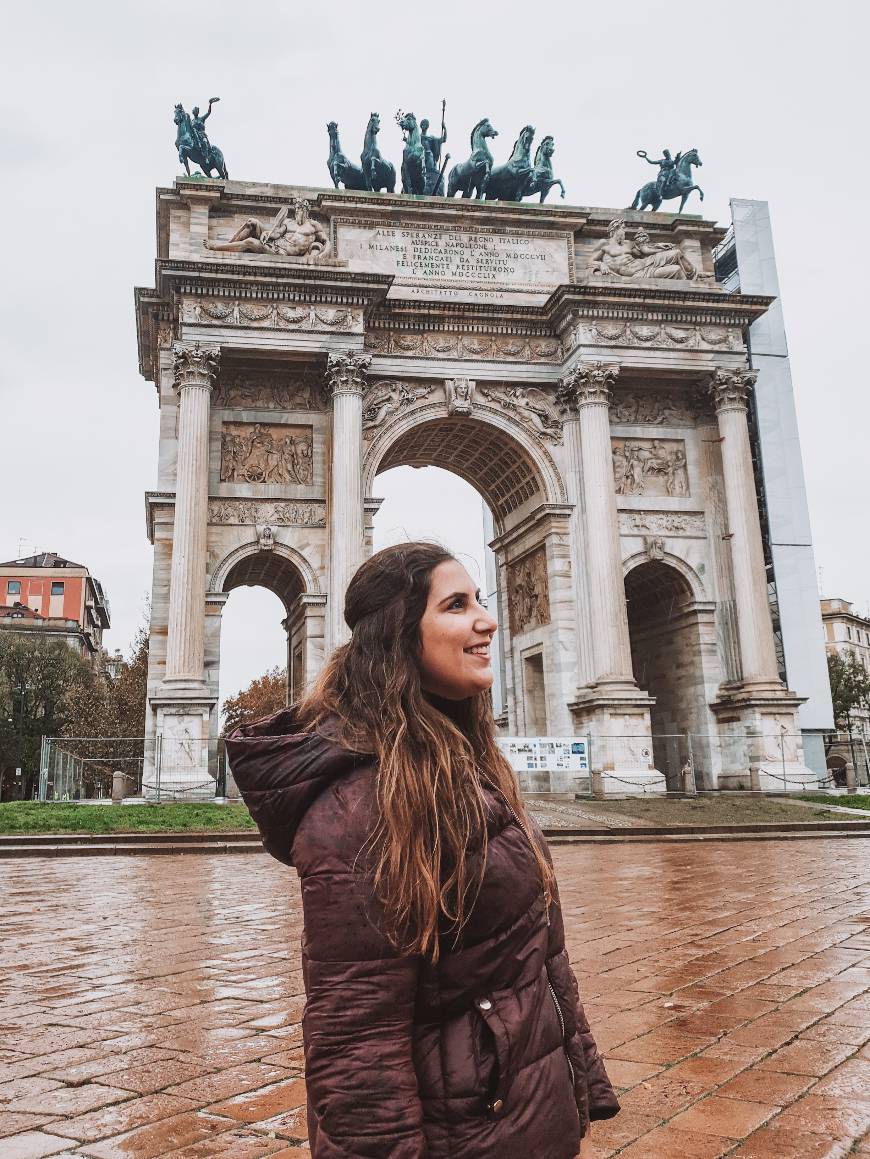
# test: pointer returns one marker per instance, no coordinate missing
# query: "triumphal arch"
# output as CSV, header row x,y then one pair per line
x,y
581,368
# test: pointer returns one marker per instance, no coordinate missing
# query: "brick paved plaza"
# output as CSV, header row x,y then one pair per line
x,y
150,1006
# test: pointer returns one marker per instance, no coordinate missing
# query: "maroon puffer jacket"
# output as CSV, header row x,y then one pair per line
x,y
486,1053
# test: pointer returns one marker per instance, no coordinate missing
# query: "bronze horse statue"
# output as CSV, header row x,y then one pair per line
x,y
380,175
341,169
413,157
474,173
679,183
508,182
542,179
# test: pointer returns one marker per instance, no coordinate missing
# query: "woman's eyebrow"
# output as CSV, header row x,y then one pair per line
x,y
453,596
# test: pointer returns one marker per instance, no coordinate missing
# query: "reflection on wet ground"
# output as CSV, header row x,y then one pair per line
x,y
151,1006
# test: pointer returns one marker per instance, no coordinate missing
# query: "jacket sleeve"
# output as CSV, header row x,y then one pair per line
x,y
596,1098
364,1101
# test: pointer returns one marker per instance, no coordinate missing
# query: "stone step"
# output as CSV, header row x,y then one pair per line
x,y
106,844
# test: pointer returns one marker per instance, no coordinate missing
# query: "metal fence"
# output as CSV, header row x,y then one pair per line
x,y
154,768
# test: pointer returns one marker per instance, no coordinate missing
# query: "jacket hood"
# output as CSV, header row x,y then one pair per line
x,y
281,770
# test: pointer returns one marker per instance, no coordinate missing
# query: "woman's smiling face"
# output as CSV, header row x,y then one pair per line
x,y
455,635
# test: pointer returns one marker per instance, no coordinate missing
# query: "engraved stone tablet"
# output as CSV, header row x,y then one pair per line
x,y
508,266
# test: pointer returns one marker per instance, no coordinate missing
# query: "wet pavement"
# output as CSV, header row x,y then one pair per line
x,y
151,1006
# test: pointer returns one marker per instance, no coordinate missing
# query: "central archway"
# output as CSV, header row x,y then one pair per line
x,y
494,453
525,524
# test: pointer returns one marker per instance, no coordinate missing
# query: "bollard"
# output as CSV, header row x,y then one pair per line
x,y
850,777
688,780
598,785
119,786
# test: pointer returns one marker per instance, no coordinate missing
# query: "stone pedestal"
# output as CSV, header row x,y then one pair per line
x,y
346,377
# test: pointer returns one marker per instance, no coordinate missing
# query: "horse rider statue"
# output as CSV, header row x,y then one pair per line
x,y
198,121
192,141
667,167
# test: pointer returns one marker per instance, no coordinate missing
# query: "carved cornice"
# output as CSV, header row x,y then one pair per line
x,y
345,373
586,384
195,365
730,389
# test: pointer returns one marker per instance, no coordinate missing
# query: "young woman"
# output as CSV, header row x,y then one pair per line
x,y
442,1016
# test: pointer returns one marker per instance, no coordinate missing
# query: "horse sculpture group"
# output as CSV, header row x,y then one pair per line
x,y
477,177
422,170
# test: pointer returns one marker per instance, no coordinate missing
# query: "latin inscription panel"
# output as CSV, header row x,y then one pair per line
x,y
459,265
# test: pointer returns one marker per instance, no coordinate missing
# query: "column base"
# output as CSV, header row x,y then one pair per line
x,y
760,740
178,767
616,716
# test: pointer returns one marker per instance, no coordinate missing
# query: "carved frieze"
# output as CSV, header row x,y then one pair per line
x,y
528,591
267,513
266,453
262,390
670,337
535,408
654,408
272,315
438,344
685,523
650,467
385,398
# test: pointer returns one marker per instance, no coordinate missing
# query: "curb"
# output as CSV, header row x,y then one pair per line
x,y
246,841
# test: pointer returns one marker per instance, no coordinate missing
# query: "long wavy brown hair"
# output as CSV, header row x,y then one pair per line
x,y
430,842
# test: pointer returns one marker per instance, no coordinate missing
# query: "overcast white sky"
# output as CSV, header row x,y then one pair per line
x,y
773,95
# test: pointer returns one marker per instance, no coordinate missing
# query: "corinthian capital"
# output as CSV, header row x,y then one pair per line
x,y
586,383
729,389
345,373
195,365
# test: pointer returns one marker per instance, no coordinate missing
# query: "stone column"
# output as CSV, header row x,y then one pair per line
x,y
196,369
729,391
346,378
584,395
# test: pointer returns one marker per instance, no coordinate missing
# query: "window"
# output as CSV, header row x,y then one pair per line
x,y
13,587
57,590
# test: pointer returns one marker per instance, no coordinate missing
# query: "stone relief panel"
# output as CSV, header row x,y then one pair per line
x,y
650,467
641,258
265,390
266,453
659,408
440,344
272,315
528,591
267,513
384,399
535,408
688,523
660,335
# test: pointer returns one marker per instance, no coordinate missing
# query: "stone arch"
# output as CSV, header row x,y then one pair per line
x,y
493,452
696,584
281,569
667,621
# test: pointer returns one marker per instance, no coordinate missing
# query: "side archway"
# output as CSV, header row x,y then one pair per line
x,y
667,613
281,569
285,572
